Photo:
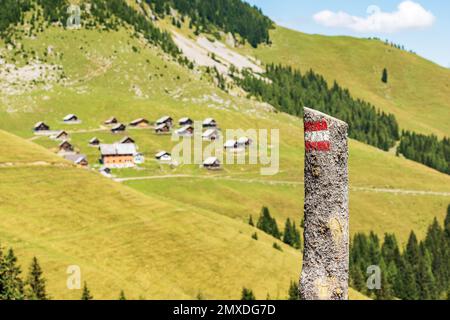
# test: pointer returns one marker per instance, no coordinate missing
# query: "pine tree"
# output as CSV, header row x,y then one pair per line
x,y
447,223
86,295
392,257
436,245
250,221
11,285
385,292
293,291
122,296
412,252
287,234
409,290
268,224
357,280
424,277
410,268
35,282
247,295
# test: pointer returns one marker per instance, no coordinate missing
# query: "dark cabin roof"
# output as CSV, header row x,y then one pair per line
x,y
127,140
119,127
137,121
40,125
111,120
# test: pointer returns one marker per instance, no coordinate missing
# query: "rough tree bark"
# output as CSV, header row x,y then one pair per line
x,y
326,252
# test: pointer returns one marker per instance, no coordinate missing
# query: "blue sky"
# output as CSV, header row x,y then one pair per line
x,y
421,26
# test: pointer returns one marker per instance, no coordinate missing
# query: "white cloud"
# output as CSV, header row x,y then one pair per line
x,y
409,15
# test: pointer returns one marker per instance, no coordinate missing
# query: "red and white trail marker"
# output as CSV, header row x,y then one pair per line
x,y
317,136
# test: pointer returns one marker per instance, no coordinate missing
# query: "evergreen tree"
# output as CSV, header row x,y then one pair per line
x,y
447,223
35,282
386,291
384,77
122,296
357,280
86,295
247,295
287,234
409,290
250,221
412,252
268,224
11,286
424,277
291,235
391,256
436,245
293,291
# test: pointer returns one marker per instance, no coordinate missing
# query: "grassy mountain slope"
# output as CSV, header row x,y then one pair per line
x,y
418,92
122,239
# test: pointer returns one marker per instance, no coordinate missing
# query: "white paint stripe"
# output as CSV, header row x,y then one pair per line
x,y
316,136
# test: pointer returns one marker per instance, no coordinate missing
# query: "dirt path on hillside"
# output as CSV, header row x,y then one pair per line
x,y
291,183
35,164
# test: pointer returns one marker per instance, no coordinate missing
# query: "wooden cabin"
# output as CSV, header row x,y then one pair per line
x,y
111,121
212,163
185,122
127,140
105,172
118,155
162,128
41,126
65,146
118,128
165,120
163,156
61,135
209,123
71,118
231,144
78,159
94,142
186,131
210,135
140,123
244,142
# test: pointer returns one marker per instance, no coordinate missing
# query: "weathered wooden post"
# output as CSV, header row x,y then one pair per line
x,y
326,257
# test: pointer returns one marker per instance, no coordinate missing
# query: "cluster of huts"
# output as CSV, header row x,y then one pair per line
x,y
124,153
210,133
65,148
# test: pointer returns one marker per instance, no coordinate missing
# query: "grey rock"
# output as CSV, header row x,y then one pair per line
x,y
326,253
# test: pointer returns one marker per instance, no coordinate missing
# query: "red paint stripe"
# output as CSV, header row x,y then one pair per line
x,y
316,126
317,146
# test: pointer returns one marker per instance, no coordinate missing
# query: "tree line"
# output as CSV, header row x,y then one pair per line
x,y
33,287
55,10
428,150
419,272
268,224
108,13
103,10
13,287
289,91
12,13
233,16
